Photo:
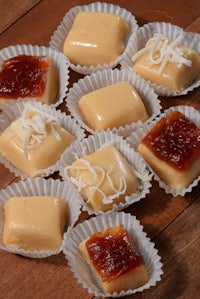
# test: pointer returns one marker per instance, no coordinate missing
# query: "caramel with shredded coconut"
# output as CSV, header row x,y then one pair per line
x,y
103,177
167,63
34,142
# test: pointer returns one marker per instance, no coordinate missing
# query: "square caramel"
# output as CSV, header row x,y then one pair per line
x,y
95,38
114,260
175,75
115,105
105,178
43,149
27,76
172,149
34,223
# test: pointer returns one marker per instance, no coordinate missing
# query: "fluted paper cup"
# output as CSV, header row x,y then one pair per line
x,y
81,270
40,187
60,34
135,138
93,143
139,39
59,61
105,78
14,109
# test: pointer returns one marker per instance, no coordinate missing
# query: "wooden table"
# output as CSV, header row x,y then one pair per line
x,y
172,223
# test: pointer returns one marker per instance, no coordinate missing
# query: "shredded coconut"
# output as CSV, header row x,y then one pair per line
x,y
34,130
93,185
161,51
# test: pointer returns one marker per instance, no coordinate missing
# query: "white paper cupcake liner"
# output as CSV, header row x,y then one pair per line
x,y
94,142
105,78
80,268
138,41
135,138
59,61
40,187
14,109
60,34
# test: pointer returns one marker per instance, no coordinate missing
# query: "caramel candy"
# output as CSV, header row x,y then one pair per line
x,y
167,63
172,149
113,258
34,223
95,38
34,142
27,76
105,178
112,106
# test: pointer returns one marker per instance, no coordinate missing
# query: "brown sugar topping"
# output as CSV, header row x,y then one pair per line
x,y
23,76
175,139
112,253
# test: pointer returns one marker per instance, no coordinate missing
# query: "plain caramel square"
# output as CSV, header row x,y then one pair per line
x,y
95,38
34,223
112,106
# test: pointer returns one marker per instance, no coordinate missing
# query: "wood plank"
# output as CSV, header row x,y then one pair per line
x,y
29,276
11,11
158,209
39,24
5,177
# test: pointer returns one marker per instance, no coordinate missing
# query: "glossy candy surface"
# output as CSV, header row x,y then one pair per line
x,y
175,139
112,253
23,76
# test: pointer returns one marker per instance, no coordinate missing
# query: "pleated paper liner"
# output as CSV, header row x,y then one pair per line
x,y
59,61
105,78
60,34
40,187
14,109
135,138
138,41
93,143
81,270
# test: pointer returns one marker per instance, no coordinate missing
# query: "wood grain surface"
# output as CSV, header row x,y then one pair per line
x,y
171,222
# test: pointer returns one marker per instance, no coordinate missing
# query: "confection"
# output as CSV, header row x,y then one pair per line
x,y
34,223
167,63
172,149
114,260
26,76
115,105
95,38
103,177
34,141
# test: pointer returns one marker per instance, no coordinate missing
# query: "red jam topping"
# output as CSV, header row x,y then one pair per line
x,y
175,139
112,253
23,76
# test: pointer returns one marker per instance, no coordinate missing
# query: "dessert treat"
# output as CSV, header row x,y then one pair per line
x,y
113,106
117,224
34,223
104,178
172,149
46,197
167,63
96,38
26,76
114,260
34,141
138,100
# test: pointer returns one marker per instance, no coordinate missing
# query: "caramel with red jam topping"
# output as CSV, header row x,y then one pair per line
x,y
175,139
112,253
23,76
